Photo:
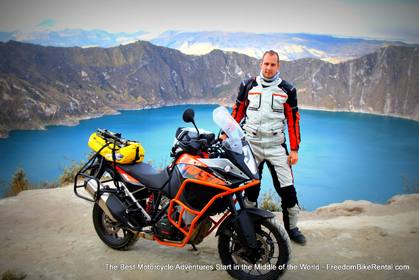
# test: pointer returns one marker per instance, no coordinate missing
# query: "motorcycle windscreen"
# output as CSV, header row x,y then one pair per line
x,y
235,134
228,124
250,161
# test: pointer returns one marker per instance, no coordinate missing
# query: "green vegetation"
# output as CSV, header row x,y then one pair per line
x,y
19,183
270,201
70,172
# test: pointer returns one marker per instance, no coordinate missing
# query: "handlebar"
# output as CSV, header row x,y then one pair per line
x,y
216,149
111,135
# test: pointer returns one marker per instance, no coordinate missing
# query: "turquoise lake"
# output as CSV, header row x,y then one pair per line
x,y
342,155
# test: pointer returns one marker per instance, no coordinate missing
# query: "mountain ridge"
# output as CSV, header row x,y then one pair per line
x,y
54,85
290,46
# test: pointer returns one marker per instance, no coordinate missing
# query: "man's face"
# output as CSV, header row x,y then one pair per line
x,y
269,65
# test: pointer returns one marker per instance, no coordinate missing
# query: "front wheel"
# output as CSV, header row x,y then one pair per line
x,y
111,233
270,259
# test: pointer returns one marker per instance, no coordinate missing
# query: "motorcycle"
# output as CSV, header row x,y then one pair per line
x,y
200,191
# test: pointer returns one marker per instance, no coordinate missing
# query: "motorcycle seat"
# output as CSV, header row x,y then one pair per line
x,y
147,174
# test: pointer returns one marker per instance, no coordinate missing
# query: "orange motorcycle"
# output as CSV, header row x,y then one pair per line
x,y
200,191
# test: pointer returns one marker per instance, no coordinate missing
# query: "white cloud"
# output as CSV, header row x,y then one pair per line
x,y
368,18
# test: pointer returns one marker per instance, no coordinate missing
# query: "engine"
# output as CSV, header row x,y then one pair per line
x,y
165,230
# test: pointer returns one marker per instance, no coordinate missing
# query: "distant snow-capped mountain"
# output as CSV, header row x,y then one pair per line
x,y
290,46
73,37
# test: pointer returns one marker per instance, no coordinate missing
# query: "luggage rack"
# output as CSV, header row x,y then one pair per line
x,y
84,174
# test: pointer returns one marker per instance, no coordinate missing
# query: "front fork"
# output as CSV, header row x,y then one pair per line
x,y
242,223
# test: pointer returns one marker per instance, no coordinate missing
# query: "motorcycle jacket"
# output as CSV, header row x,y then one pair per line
x,y
263,107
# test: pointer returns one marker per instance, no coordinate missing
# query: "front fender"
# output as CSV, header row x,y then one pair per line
x,y
243,223
257,214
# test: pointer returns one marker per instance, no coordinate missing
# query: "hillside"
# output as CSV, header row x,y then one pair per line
x,y
51,85
290,46
40,86
48,234
384,82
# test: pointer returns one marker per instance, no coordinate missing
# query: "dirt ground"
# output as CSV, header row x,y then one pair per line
x,y
48,234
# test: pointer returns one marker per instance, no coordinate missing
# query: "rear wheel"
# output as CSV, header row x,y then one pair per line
x,y
110,232
267,262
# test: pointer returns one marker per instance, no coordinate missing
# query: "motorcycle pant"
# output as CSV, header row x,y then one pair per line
x,y
288,194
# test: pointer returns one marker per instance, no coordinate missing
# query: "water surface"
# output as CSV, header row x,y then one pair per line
x,y
342,155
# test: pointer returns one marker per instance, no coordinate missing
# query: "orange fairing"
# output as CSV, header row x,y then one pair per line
x,y
189,167
193,172
188,231
188,159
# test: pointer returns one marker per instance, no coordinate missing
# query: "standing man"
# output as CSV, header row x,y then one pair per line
x,y
263,105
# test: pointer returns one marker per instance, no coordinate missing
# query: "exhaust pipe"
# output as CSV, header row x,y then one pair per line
x,y
91,187
114,208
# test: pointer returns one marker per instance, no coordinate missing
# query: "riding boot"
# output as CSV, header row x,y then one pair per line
x,y
290,216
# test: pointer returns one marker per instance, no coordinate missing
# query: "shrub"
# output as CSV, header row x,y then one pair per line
x,y
270,201
70,172
19,183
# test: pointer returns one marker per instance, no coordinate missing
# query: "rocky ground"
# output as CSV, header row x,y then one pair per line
x,y
48,234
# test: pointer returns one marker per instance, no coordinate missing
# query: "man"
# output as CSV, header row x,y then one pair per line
x,y
263,105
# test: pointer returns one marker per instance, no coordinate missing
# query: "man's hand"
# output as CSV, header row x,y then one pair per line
x,y
293,158
223,137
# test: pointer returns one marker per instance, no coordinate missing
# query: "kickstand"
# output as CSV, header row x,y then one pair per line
x,y
193,247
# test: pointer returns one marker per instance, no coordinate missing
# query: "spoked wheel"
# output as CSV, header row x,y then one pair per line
x,y
268,261
111,233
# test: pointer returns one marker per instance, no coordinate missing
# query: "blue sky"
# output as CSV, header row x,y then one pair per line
x,y
381,19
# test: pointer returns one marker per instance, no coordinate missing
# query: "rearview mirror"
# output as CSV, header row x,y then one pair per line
x,y
188,115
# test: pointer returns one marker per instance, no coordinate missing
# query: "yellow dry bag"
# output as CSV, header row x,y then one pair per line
x,y
114,148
